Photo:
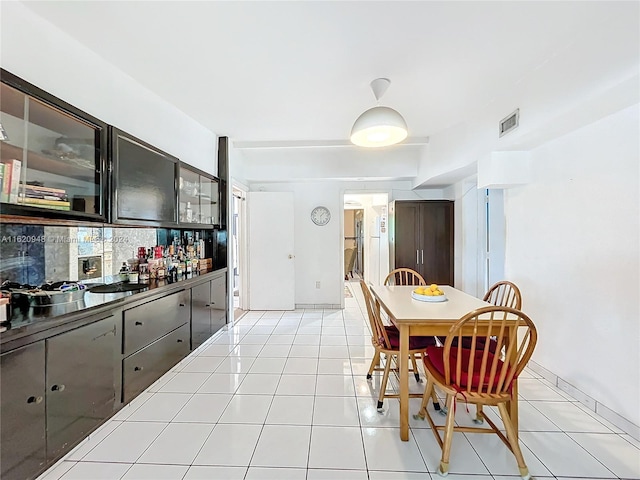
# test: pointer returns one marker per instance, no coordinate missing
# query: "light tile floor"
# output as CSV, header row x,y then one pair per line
x,y
283,395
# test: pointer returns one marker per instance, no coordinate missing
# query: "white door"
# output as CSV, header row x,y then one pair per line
x,y
271,253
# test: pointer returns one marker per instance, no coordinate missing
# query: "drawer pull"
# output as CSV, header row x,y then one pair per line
x,y
208,305
179,340
138,323
138,369
183,305
35,400
57,388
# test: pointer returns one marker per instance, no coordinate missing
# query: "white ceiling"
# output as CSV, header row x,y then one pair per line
x,y
272,73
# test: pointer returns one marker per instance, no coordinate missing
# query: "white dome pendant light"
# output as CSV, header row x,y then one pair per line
x,y
379,126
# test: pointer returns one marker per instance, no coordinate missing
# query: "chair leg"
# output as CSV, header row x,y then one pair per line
x,y
436,401
374,363
448,437
416,373
479,420
385,377
513,441
429,392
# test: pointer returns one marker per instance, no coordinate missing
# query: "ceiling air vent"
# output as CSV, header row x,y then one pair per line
x,y
509,123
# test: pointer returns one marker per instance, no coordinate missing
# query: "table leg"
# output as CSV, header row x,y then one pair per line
x,y
404,383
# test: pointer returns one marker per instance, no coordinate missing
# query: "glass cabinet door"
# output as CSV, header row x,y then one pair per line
x,y
198,197
50,160
209,201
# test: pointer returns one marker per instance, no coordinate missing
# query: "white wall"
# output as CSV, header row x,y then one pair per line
x,y
572,246
47,57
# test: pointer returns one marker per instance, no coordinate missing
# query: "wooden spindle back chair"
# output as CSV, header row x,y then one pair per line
x,y
404,276
386,340
474,374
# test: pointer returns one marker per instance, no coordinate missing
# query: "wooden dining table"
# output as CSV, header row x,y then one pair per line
x,y
414,317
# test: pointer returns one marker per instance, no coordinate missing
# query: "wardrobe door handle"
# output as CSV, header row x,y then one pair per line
x,y
57,388
417,258
422,256
35,400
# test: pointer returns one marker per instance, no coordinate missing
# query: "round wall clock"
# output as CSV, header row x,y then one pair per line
x,y
320,215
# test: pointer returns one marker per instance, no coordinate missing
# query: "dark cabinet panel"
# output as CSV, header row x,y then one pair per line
x,y
218,303
144,183
201,313
421,238
144,367
80,383
148,322
407,235
22,422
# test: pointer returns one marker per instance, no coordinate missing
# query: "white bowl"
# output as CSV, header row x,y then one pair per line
x,y
428,298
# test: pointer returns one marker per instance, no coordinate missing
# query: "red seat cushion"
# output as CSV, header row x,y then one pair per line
x,y
415,342
434,359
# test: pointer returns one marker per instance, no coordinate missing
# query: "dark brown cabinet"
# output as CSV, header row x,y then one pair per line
x,y
200,314
147,365
23,425
421,238
143,186
54,393
52,160
80,383
218,303
155,338
208,309
199,197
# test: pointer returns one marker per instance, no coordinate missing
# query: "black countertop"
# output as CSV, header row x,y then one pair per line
x,y
29,321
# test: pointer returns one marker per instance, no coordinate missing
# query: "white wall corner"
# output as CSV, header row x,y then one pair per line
x,y
504,169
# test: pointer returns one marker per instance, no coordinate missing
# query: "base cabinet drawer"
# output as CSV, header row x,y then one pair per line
x,y
152,320
144,367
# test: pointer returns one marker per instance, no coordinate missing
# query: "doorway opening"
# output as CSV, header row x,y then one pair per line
x,y
366,232
238,245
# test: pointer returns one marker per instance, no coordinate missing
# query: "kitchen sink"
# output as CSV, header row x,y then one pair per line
x,y
118,287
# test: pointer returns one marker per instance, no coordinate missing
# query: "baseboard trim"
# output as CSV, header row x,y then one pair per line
x,y
317,306
591,403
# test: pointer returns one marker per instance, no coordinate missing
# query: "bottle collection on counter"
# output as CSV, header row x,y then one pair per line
x,y
184,256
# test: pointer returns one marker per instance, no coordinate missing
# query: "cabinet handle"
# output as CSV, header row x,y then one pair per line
x,y
57,388
422,256
208,305
417,258
179,340
182,305
138,369
35,400
139,323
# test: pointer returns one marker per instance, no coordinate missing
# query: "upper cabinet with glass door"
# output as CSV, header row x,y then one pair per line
x,y
198,193
51,155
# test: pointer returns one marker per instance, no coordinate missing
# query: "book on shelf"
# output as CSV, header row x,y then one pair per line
x,y
42,188
52,207
42,201
11,180
41,196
